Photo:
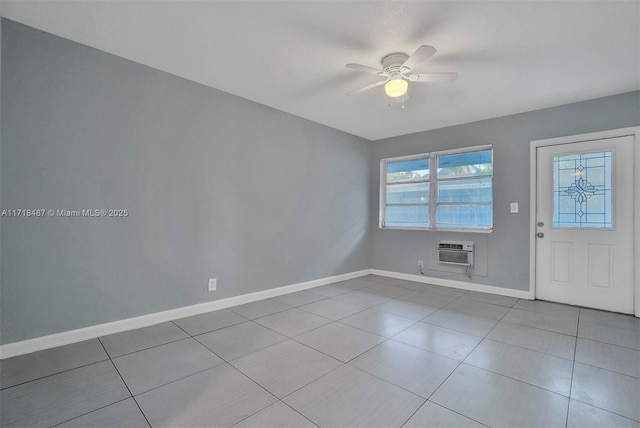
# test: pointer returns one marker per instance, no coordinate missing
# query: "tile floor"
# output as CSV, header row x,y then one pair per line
x,y
369,352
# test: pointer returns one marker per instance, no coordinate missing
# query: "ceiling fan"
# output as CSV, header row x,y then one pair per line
x,y
396,71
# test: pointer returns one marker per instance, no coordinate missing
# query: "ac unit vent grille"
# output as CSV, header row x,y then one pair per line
x,y
450,246
457,257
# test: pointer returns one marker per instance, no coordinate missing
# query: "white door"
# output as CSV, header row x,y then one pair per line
x,y
584,225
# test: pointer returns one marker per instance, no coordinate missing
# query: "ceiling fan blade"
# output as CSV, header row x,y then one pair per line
x,y
366,69
421,54
433,77
365,88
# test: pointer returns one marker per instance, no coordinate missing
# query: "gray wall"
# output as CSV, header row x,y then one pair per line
x,y
216,186
503,256
1,21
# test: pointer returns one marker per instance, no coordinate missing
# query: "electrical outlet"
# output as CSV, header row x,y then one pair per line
x,y
420,265
213,284
513,207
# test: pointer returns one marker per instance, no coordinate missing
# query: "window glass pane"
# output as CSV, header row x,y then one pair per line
x,y
473,190
582,190
465,164
408,193
465,216
416,169
407,216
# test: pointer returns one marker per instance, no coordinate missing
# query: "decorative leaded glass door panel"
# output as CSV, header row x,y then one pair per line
x,y
584,240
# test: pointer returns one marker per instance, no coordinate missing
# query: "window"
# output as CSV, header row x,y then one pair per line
x,y
456,195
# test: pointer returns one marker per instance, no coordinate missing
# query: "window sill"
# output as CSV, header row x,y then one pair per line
x,y
422,229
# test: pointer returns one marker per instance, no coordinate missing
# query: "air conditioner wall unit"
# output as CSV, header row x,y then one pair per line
x,y
458,253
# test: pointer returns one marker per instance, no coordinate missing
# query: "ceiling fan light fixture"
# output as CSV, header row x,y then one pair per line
x,y
396,87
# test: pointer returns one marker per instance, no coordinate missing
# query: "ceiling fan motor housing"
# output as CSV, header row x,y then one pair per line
x,y
392,64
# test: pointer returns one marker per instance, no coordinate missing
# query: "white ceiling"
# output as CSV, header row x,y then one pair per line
x,y
512,56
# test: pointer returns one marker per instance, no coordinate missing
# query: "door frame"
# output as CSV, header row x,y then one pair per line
x,y
533,200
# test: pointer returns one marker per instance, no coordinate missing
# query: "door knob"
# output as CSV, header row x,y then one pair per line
x,y
540,235
540,224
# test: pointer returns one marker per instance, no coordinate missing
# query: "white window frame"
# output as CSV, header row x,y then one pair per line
x,y
433,188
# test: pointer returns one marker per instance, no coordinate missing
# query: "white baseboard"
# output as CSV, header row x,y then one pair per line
x,y
463,285
51,341
67,337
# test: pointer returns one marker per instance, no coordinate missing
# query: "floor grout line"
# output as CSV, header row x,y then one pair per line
x,y
92,411
457,367
573,367
453,411
604,410
150,347
125,384
56,373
